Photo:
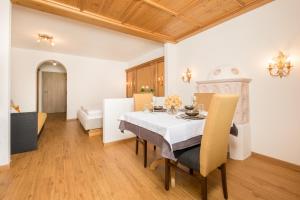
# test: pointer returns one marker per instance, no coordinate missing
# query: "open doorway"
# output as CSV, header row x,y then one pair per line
x,y
52,87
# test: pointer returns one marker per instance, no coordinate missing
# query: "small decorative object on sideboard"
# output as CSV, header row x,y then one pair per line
x,y
147,89
173,103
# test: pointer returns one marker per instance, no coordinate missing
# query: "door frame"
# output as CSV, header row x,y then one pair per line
x,y
38,100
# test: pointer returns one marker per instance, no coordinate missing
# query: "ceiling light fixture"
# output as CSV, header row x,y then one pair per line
x,y
46,38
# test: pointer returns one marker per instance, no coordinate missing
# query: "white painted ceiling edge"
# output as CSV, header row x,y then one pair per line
x,y
75,38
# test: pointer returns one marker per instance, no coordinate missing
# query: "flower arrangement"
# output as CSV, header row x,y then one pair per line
x,y
173,102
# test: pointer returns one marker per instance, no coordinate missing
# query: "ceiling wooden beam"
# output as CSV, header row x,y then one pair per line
x,y
160,7
130,10
92,18
171,12
241,3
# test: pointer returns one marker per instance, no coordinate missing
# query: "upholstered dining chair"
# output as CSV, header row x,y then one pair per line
x,y
204,98
212,152
142,101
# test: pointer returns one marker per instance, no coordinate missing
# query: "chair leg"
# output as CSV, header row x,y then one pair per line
x,y
154,147
137,145
224,180
167,173
145,153
191,171
204,188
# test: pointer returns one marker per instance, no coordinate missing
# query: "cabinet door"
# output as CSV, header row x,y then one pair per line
x,y
145,76
160,79
130,83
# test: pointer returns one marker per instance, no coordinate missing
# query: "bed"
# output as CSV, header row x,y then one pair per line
x,y
90,117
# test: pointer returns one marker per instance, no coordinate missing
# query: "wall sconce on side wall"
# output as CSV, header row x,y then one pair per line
x,y
187,76
280,66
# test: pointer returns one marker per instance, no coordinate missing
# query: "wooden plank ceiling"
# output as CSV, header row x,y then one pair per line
x,y
159,20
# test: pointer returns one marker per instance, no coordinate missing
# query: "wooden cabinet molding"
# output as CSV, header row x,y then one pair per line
x,y
150,73
161,59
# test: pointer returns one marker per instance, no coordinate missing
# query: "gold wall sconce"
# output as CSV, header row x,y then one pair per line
x,y
280,66
160,80
46,38
129,84
187,76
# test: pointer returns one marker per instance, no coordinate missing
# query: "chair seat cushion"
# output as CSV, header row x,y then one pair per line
x,y
189,157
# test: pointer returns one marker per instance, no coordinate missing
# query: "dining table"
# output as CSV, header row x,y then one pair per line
x,y
169,132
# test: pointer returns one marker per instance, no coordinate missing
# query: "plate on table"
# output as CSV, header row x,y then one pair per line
x,y
184,116
192,113
189,107
159,109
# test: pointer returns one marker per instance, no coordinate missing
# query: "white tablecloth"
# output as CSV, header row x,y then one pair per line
x,y
172,129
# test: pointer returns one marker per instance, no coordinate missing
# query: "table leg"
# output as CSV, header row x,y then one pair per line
x,y
145,153
173,176
167,174
137,145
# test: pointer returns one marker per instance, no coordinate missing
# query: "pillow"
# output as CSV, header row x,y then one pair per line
x,y
14,108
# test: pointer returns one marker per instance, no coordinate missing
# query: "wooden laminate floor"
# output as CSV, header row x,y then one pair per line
x,y
71,165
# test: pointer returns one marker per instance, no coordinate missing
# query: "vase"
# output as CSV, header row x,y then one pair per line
x,y
172,110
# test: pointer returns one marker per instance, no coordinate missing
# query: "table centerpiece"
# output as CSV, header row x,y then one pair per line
x,y
173,103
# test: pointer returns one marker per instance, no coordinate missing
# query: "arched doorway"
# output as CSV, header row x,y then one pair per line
x,y
52,87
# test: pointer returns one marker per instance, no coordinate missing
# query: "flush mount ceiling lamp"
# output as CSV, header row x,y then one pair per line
x,y
45,38
280,65
187,76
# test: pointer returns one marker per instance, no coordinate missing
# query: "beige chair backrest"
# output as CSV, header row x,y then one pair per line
x,y
142,100
204,98
214,143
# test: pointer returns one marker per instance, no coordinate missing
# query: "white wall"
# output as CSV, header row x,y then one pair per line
x,y
89,80
157,53
113,109
4,82
248,42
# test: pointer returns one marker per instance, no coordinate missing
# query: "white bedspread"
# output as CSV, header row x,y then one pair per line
x,y
171,128
92,111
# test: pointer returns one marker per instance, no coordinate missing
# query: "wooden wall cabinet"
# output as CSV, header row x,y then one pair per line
x,y
149,74
130,82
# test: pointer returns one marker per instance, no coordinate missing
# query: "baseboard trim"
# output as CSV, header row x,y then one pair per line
x,y
4,167
72,119
276,161
118,142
